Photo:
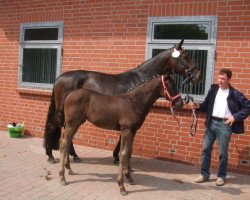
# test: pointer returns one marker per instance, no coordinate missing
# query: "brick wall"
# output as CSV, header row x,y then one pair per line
x,y
110,36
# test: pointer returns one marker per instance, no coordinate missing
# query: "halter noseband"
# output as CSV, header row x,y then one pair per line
x,y
167,96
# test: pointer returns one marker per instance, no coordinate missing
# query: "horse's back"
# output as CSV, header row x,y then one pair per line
x,y
72,79
104,83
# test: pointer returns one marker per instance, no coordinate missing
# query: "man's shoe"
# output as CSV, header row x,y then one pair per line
x,y
220,181
200,179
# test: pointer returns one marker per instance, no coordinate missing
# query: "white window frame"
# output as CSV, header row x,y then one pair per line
x,y
209,44
54,44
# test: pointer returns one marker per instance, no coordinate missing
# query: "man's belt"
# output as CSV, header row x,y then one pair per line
x,y
218,118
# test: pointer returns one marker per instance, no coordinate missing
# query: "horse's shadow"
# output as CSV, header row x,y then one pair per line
x,y
155,183
141,164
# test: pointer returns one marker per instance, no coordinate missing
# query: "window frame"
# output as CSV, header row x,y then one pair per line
x,y
209,44
33,44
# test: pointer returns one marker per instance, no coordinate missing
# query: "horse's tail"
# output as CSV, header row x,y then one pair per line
x,y
52,127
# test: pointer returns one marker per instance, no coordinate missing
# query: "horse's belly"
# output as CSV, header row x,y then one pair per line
x,y
105,114
106,123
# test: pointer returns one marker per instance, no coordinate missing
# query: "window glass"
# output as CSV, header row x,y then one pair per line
x,y
41,34
179,31
39,65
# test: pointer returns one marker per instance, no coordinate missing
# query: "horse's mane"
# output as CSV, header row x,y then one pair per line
x,y
141,83
149,60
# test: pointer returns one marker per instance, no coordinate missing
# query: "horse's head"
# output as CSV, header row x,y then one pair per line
x,y
170,92
182,64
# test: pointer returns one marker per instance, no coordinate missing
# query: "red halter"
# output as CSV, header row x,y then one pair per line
x,y
187,99
166,93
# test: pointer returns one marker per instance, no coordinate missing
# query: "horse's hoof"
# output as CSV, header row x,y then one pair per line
x,y
131,182
63,182
131,170
116,162
77,159
71,172
123,193
51,160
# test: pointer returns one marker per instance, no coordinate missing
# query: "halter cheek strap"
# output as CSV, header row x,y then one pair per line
x,y
167,96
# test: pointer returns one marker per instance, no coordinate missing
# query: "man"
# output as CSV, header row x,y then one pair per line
x,y
225,108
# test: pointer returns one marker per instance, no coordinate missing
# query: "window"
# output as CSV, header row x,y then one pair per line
x,y
199,33
40,54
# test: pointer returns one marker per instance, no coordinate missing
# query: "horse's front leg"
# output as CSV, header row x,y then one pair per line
x,y
123,166
130,149
116,154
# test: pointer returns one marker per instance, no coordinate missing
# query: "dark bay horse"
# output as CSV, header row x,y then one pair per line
x,y
125,113
111,84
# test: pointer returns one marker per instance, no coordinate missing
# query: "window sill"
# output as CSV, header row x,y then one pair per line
x,y
39,92
164,103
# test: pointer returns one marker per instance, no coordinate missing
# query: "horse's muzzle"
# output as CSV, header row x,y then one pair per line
x,y
178,103
195,77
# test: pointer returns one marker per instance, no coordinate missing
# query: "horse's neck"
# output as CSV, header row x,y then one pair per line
x,y
146,94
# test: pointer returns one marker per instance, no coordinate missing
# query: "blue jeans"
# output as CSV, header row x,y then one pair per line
x,y
222,132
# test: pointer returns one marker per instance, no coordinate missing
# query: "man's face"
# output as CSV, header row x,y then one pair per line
x,y
223,81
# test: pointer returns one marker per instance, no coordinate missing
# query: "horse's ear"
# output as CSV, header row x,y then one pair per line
x,y
178,46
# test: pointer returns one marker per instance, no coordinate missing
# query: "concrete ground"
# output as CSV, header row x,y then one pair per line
x,y
25,174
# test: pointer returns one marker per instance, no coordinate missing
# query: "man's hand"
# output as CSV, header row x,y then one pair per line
x,y
230,121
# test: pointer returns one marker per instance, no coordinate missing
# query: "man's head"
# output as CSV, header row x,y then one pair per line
x,y
224,78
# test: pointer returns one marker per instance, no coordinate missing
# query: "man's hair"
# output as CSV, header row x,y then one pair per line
x,y
226,71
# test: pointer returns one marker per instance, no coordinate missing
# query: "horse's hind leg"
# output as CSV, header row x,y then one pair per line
x,y
63,157
61,120
123,167
64,152
52,137
51,158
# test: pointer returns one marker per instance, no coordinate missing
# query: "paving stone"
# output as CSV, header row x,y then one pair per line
x,y
25,174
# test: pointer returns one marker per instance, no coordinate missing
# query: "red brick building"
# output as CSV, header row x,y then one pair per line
x,y
114,36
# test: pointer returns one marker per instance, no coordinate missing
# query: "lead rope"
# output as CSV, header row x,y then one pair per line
x,y
194,123
194,116
172,112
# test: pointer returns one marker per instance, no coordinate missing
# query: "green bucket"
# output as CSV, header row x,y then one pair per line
x,y
16,132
